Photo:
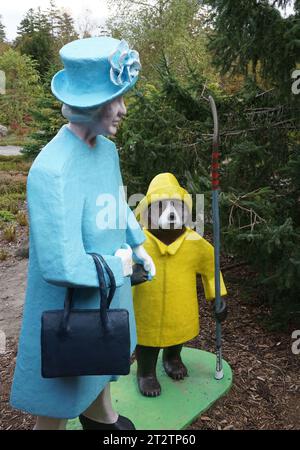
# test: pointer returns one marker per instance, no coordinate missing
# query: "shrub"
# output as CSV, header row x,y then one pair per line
x,y
10,233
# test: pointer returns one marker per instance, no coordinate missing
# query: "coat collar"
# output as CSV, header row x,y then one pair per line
x,y
167,249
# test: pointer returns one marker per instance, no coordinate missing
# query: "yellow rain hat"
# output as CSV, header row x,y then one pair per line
x,y
164,186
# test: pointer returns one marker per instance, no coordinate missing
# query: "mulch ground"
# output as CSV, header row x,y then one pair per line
x,y
266,388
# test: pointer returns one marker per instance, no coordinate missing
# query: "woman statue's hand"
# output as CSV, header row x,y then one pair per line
x,y
125,253
141,256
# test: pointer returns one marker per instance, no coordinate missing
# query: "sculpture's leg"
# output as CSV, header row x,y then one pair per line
x,y
173,364
101,409
146,370
50,423
100,415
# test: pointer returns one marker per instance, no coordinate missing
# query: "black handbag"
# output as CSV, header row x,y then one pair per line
x,y
78,342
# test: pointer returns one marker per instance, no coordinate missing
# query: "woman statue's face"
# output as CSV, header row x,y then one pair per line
x,y
110,115
104,120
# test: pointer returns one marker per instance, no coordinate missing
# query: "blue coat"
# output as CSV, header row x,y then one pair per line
x,y
67,216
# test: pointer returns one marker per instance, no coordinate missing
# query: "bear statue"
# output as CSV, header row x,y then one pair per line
x,y
166,310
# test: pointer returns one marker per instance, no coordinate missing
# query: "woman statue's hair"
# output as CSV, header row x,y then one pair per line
x,y
80,115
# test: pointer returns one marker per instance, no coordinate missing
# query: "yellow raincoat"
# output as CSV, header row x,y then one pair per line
x,y
166,309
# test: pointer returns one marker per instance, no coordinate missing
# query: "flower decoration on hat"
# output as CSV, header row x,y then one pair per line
x,y
125,64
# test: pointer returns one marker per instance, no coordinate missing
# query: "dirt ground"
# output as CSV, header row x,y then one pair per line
x,y
266,387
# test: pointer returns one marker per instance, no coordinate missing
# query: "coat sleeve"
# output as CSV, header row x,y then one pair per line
x,y
55,206
134,233
206,268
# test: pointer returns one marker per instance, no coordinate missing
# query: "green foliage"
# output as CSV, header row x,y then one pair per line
x,y
9,208
6,216
14,187
171,29
2,30
13,172
62,27
169,128
22,87
47,119
34,38
66,30
13,138
42,33
255,38
14,163
158,137
274,251
38,46
10,233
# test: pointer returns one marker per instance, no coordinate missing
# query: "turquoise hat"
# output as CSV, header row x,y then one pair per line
x,y
96,70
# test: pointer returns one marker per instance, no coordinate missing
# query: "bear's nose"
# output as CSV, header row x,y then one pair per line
x,y
172,216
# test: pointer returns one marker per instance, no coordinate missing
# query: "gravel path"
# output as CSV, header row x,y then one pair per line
x,y
10,150
13,278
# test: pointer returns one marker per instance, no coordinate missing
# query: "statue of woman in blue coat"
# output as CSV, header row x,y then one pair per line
x,y
76,206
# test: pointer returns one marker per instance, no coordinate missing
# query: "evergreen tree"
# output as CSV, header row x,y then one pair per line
x,y
66,29
62,27
47,118
53,15
2,30
27,25
41,34
254,38
34,39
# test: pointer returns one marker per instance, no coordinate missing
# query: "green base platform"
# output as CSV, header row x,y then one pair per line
x,y
180,402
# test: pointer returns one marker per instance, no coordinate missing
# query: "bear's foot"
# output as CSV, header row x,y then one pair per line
x,y
149,386
175,368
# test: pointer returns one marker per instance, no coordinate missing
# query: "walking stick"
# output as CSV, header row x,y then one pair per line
x,y
216,231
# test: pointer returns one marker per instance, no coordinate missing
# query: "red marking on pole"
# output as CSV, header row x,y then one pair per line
x,y
215,166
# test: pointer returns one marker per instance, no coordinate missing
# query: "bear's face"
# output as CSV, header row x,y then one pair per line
x,y
170,214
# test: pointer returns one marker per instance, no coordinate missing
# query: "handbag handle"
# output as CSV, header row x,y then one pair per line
x,y
105,300
111,278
